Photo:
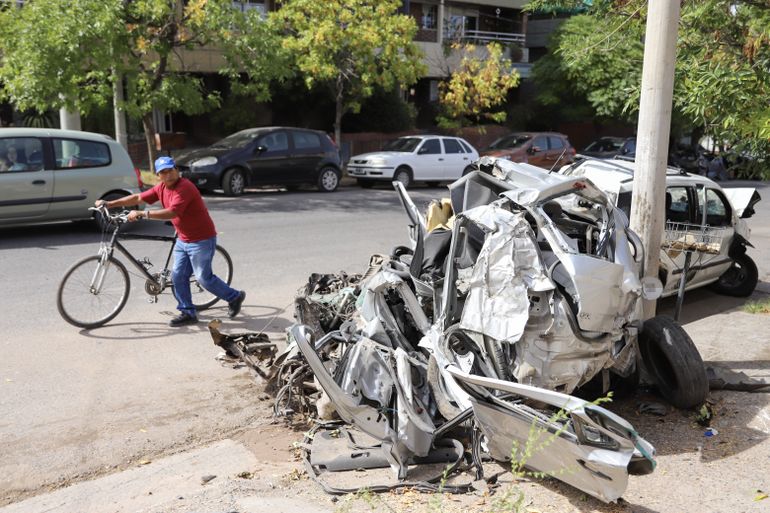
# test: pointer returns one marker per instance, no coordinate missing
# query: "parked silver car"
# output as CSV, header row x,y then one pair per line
x,y
55,175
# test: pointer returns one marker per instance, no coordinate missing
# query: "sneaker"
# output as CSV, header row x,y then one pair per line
x,y
183,319
235,305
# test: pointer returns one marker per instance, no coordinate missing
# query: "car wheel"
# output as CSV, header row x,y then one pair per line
x,y
328,179
673,361
366,184
740,279
233,182
403,175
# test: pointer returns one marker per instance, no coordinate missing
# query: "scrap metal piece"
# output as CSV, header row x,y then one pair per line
x,y
253,349
366,394
586,446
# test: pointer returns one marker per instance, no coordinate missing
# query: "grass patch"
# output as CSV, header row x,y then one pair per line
x,y
758,307
148,177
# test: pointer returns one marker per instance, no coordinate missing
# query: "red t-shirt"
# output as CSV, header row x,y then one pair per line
x,y
192,222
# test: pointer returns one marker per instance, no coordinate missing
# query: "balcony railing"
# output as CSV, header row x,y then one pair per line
x,y
483,36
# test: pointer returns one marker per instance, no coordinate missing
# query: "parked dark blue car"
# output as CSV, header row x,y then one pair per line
x,y
265,156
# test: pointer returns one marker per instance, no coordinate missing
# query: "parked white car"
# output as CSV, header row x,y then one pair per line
x,y
423,158
722,261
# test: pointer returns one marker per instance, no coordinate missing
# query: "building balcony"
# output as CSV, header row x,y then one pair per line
x,y
483,36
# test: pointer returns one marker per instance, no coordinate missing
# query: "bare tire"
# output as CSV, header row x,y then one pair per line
x,y
79,305
447,408
365,184
233,182
328,179
403,175
740,279
673,361
221,266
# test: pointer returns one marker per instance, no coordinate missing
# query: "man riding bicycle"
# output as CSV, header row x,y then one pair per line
x,y
197,238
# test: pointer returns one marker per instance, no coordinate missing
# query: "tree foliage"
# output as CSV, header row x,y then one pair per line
x,y
351,46
69,54
722,77
477,87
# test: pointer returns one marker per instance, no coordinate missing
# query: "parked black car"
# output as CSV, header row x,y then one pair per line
x,y
265,156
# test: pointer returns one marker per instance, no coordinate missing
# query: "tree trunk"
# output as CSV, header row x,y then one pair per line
x,y
149,137
338,111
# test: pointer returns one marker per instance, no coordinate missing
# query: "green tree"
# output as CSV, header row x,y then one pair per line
x,y
69,54
477,87
351,46
722,71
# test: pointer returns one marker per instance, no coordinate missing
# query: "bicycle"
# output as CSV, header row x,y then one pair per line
x,y
95,289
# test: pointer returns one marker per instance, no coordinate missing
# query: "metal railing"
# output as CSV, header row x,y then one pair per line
x,y
483,36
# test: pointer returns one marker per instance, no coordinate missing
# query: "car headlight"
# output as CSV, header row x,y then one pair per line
x,y
205,161
377,162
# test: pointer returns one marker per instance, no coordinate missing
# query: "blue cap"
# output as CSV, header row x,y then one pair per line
x,y
162,163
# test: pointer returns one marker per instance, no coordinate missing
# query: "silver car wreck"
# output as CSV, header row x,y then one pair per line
x,y
517,291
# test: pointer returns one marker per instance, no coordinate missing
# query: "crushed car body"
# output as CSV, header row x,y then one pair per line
x,y
514,293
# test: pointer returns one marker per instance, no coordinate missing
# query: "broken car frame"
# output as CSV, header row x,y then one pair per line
x,y
528,292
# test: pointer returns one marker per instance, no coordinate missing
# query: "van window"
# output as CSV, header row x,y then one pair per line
x,y
20,154
77,153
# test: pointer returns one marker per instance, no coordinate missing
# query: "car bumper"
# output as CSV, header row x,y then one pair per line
x,y
371,173
202,180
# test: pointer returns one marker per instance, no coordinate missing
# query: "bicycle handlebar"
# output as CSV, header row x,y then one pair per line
x,y
119,218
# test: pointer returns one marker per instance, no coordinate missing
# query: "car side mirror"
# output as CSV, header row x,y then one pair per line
x,y
534,149
422,151
260,149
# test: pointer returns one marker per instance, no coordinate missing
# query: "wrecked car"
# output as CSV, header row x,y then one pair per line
x,y
695,205
516,292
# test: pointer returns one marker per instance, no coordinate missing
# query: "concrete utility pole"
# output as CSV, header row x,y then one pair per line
x,y
121,133
69,120
648,206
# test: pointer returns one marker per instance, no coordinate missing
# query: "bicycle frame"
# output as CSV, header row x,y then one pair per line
x,y
107,250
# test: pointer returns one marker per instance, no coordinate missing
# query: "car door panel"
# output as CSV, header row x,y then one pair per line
x,y
307,153
271,164
26,184
79,175
538,158
429,160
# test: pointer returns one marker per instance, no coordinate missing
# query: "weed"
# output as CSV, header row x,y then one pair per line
x,y
761,306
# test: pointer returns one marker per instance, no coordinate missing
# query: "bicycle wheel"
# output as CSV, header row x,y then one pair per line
x,y
82,307
222,266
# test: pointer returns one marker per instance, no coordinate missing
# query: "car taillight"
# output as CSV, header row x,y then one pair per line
x,y
572,151
138,177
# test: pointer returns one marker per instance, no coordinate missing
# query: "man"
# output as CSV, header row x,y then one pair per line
x,y
197,238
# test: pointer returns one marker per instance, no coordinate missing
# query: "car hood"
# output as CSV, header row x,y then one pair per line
x,y
743,200
194,155
379,155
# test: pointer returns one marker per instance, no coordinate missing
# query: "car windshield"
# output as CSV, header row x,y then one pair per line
x,y
509,141
238,139
604,145
403,144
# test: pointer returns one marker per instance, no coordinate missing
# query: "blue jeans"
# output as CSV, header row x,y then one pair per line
x,y
195,258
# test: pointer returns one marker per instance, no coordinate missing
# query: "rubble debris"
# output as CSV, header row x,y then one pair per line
x,y
519,289
251,348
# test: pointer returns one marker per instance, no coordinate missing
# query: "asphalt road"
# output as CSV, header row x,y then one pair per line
x,y
77,403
